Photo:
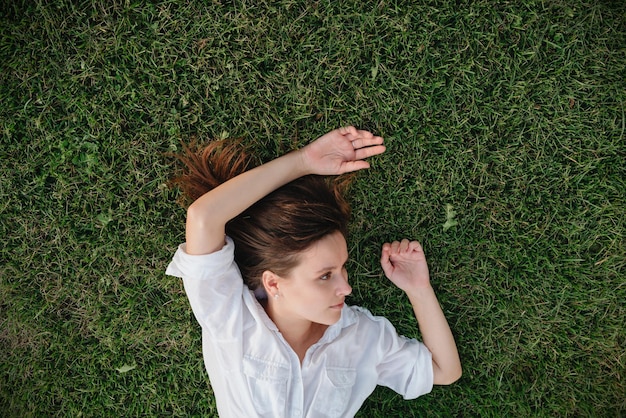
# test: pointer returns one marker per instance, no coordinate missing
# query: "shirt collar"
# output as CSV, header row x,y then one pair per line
x,y
348,317
260,311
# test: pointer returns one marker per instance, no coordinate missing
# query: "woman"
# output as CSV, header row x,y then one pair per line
x,y
264,270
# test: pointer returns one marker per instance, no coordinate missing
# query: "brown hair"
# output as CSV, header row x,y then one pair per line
x,y
271,233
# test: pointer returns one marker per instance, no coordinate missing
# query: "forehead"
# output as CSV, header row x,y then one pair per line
x,y
330,251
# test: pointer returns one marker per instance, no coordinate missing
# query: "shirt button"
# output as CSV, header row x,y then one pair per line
x,y
296,413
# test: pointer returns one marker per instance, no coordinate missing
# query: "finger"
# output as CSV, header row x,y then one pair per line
x,y
395,247
415,246
348,131
385,262
364,133
350,166
384,253
362,142
356,134
404,245
363,153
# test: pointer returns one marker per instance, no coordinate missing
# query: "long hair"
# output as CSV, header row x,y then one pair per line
x,y
270,234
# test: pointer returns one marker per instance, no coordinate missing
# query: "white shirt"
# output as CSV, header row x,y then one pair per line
x,y
255,373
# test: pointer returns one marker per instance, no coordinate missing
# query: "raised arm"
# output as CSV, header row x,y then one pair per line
x,y
405,265
339,151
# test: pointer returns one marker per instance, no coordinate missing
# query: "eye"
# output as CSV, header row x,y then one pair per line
x,y
326,276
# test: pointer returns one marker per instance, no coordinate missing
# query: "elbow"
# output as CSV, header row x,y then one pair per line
x,y
447,377
194,212
200,216
454,375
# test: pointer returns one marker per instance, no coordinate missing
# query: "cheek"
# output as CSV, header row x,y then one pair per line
x,y
302,292
313,295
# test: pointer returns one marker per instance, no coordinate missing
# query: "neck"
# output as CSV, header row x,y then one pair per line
x,y
299,333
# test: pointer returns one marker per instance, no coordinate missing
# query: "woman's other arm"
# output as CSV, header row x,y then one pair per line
x,y
405,265
339,151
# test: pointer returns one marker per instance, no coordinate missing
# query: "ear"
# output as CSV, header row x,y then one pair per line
x,y
270,282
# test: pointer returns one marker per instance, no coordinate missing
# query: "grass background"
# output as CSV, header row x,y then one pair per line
x,y
504,123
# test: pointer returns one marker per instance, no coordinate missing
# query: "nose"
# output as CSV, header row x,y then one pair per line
x,y
347,291
344,289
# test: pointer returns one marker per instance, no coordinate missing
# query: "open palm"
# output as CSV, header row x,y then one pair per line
x,y
341,151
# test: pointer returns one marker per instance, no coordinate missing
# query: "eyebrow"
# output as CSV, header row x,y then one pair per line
x,y
325,269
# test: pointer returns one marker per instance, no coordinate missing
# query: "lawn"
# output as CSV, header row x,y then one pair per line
x,y
506,157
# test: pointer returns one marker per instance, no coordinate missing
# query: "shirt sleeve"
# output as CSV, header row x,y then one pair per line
x,y
406,364
214,287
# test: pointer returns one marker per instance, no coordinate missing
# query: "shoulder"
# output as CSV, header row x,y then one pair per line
x,y
366,321
380,336
203,266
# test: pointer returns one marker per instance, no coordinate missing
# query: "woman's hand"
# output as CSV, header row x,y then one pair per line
x,y
404,263
341,151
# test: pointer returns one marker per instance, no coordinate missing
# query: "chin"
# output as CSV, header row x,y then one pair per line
x,y
333,320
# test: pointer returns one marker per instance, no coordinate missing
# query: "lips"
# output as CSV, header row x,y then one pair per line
x,y
338,306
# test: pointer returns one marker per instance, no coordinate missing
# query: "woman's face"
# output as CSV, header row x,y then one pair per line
x,y
316,288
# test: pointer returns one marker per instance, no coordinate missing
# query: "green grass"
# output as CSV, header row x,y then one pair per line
x,y
507,118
